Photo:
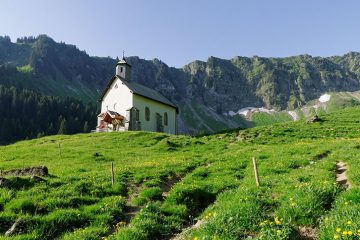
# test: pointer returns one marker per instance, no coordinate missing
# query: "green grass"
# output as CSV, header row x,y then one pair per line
x,y
164,184
262,119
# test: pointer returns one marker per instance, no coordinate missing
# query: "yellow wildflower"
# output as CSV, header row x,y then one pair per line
x,y
278,232
336,236
349,222
338,230
196,238
344,233
350,233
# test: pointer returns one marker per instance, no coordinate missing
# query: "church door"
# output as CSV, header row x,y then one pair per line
x,y
159,123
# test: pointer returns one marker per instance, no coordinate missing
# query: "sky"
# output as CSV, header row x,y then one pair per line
x,y
179,32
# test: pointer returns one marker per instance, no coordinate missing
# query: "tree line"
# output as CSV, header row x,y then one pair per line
x,y
25,114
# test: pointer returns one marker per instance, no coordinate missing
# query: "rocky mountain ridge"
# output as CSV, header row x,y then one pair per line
x,y
205,91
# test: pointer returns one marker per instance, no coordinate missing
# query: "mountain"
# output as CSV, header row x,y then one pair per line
x,y
206,92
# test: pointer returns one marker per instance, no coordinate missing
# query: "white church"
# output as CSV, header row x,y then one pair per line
x,y
129,106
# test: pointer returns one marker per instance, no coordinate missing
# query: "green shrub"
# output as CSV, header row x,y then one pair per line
x,y
306,205
59,221
194,197
129,233
147,195
88,233
22,205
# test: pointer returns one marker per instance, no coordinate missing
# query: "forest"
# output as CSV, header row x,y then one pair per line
x,y
26,114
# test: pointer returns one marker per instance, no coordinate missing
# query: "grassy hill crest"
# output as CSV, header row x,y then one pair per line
x,y
165,184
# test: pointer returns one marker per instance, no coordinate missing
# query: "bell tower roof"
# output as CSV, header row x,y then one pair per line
x,y
123,69
123,62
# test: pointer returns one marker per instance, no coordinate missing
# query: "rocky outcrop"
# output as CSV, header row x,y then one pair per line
x,y
205,91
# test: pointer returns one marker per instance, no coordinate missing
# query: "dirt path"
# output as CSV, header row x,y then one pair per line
x,y
341,177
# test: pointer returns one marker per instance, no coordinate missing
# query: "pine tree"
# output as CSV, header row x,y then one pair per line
x,y
63,127
86,127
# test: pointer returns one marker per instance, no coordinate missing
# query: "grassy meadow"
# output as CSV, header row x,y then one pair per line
x,y
179,187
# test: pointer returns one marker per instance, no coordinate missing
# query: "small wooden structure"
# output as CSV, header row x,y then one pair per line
x,y
111,121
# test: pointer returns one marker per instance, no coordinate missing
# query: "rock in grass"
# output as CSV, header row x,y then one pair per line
x,y
313,119
37,179
3,182
15,228
30,171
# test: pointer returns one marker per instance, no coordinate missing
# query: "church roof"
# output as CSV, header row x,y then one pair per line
x,y
140,90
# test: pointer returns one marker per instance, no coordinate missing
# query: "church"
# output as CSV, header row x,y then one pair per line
x,y
129,106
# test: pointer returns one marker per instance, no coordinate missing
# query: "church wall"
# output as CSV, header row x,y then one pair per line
x,y
155,107
117,99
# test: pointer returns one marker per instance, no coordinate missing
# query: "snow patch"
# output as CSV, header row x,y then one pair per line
x,y
294,115
231,113
247,110
324,98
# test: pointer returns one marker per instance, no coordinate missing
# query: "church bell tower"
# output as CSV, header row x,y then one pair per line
x,y
123,69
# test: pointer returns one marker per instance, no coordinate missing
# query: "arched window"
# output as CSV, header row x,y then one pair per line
x,y
137,115
165,119
147,114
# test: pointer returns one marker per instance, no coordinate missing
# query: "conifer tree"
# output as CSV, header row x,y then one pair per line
x,y
86,127
63,127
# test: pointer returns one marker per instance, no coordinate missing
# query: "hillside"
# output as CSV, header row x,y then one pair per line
x,y
197,187
27,114
205,91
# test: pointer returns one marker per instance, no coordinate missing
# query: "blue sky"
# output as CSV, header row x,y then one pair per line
x,y
178,32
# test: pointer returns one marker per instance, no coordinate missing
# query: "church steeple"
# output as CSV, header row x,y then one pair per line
x,y
123,69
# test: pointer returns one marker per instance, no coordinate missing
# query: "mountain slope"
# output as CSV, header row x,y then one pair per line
x,y
204,180
205,91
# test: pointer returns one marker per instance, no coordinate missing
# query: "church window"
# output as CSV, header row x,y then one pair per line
x,y
147,114
137,115
165,119
121,69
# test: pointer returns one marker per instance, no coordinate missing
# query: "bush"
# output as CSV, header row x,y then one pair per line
x,y
194,197
147,195
88,233
21,205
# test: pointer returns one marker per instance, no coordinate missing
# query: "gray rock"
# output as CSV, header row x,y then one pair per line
x,y
15,228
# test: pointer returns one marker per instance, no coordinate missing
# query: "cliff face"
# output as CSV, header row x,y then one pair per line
x,y
204,91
